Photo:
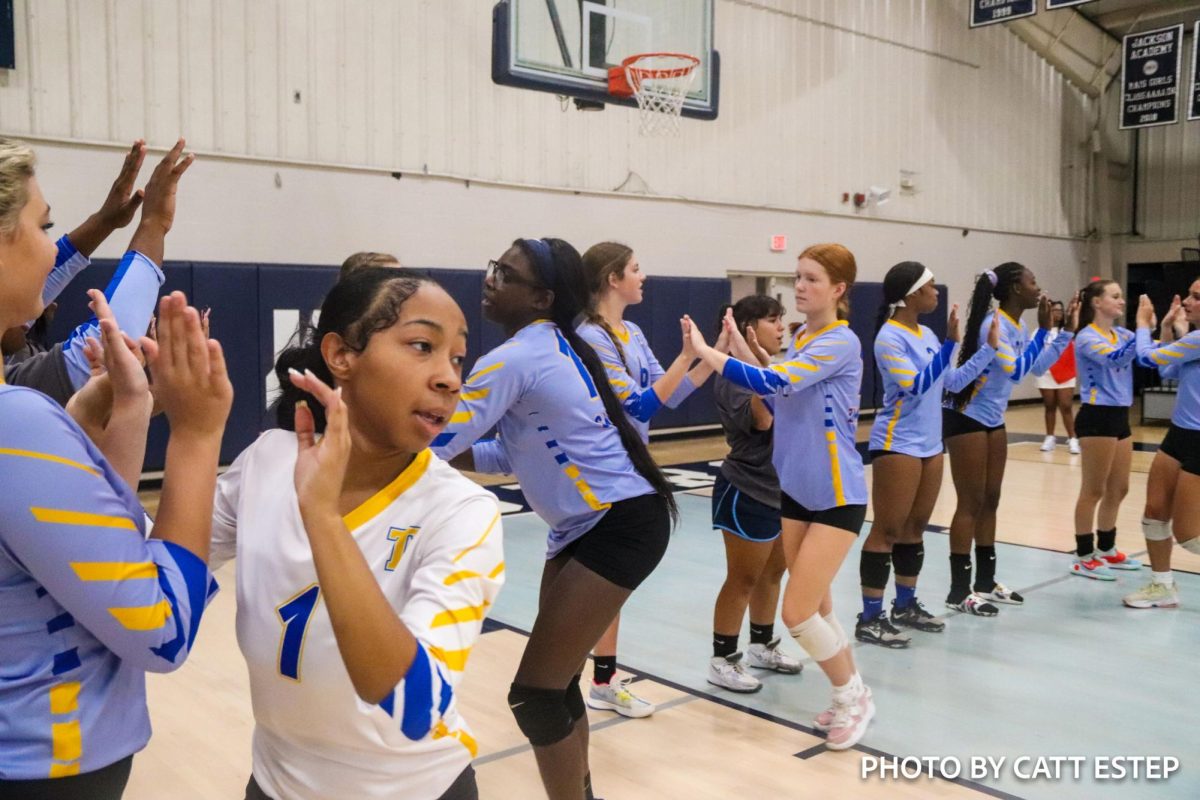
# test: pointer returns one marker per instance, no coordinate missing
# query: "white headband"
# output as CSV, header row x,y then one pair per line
x,y
926,277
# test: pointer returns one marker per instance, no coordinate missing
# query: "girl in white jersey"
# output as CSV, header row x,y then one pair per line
x,y
1173,487
365,564
615,281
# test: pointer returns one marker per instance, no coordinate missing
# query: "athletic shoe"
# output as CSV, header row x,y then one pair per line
x,y
1048,444
1073,446
850,721
824,721
1091,568
1153,595
769,656
881,632
1002,594
1115,559
728,673
616,697
917,617
974,604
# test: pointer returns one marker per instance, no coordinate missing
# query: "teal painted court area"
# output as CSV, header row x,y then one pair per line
x,y
1071,673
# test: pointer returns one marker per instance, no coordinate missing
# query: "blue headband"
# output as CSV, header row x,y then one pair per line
x,y
543,260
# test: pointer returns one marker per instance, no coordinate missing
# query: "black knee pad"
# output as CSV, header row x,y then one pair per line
x,y
908,559
541,714
574,699
873,569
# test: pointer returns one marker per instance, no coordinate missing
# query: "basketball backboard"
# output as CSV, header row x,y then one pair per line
x,y
566,46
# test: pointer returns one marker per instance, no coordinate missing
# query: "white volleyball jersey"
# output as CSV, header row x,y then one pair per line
x,y
433,540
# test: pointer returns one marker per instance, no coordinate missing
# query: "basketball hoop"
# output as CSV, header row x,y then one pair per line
x,y
659,82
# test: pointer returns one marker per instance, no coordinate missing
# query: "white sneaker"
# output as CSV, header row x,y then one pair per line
x,y
1073,446
850,722
824,721
1048,444
728,673
769,656
616,697
1153,595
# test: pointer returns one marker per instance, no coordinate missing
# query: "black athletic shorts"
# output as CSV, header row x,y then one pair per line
x,y
956,423
1110,422
463,788
848,517
1183,445
107,783
740,514
627,543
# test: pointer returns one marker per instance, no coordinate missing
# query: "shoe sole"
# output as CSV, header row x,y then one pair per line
x,y
1007,602
895,644
1085,574
732,689
975,613
780,670
602,705
1124,567
1128,604
923,628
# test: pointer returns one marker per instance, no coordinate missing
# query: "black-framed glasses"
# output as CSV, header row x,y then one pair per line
x,y
502,274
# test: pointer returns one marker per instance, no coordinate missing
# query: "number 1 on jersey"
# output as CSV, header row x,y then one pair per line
x,y
294,615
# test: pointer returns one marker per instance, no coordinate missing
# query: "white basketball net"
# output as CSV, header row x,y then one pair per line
x,y
660,84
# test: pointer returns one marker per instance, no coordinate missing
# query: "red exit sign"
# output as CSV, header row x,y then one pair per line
x,y
778,244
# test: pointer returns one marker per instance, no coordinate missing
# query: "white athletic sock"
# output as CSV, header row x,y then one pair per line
x,y
848,692
1166,579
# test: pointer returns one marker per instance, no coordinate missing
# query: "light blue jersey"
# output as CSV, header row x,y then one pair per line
x,y
68,263
88,605
1180,361
816,415
1105,366
554,434
1017,356
633,377
916,368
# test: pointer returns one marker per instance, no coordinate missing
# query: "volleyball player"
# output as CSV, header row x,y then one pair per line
x,y
1058,396
1173,487
584,470
824,494
1104,356
906,448
973,426
365,564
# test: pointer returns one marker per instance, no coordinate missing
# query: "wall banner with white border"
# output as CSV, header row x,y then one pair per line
x,y
988,12
1151,77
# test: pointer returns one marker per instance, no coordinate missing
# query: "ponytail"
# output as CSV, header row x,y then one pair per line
x,y
997,283
1087,313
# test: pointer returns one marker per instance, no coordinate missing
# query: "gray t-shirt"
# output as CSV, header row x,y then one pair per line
x,y
45,372
748,466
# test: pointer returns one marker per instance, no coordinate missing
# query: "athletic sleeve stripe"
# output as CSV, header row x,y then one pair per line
x,y
477,394
454,659
8,451
418,698
143,618
459,417
487,531
477,375
62,516
461,575
457,616
114,570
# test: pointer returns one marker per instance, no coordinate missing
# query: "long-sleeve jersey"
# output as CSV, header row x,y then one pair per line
x,y
433,541
1180,361
816,415
634,377
1105,366
554,434
1017,356
68,263
88,605
915,368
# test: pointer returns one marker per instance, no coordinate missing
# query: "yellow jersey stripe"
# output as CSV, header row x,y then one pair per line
x,y
897,359
887,442
143,618
903,327
457,616
1005,356
835,469
800,341
461,575
484,371
476,394
8,451
375,504
454,659
900,371
64,698
114,570
461,416
67,741
440,731
1009,318
64,770
62,516
486,532
496,570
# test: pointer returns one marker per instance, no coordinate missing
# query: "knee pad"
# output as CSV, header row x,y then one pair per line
x,y
817,637
832,621
1192,545
574,700
1156,530
541,714
873,569
908,559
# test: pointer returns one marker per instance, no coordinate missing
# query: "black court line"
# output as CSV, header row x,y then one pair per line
x,y
693,694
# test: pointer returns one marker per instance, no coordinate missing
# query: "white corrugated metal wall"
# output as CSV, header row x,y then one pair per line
x,y
818,97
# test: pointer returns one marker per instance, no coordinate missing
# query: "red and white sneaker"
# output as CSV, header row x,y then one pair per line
x,y
1092,568
1115,559
850,721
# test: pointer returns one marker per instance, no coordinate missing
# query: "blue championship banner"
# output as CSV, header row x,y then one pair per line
x,y
1053,4
988,12
1151,77
1194,105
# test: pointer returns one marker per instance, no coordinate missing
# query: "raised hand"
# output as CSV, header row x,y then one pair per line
x,y
1045,312
320,465
1174,322
761,356
954,331
1145,313
188,371
158,208
1071,318
689,350
993,339
122,201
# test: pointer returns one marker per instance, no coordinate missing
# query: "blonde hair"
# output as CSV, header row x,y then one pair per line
x,y
16,168
600,261
840,266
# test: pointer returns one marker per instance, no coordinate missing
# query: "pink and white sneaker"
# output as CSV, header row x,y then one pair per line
x,y
850,721
824,721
